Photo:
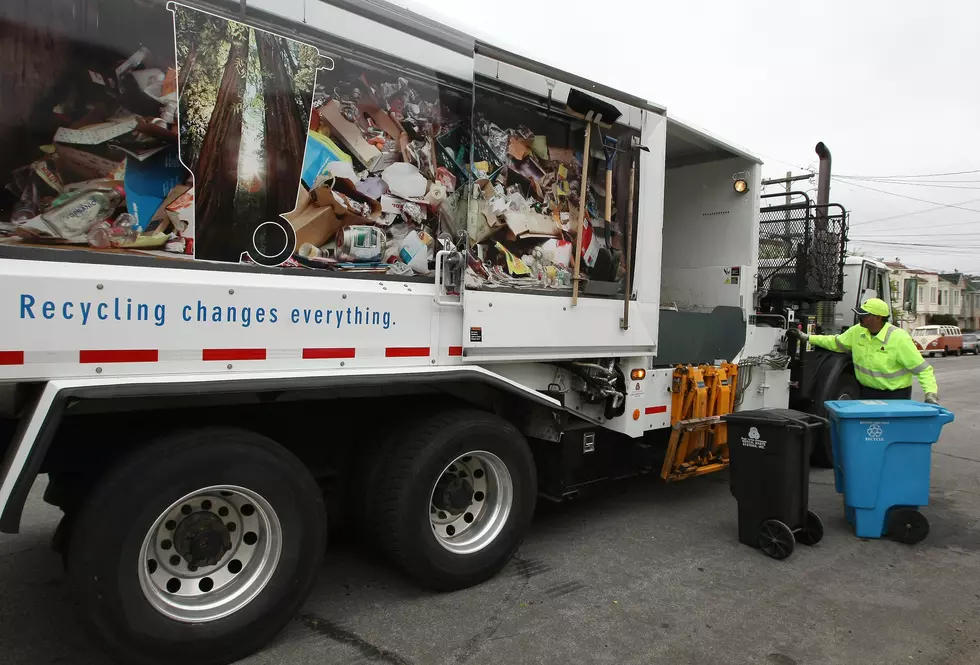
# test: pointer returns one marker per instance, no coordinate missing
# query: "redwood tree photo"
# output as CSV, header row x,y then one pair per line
x,y
245,100
216,171
285,126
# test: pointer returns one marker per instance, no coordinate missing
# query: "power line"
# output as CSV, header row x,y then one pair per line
x,y
903,196
888,232
923,236
908,183
908,214
935,245
808,169
915,175
930,250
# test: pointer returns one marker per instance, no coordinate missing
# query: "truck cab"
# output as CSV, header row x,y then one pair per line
x,y
863,278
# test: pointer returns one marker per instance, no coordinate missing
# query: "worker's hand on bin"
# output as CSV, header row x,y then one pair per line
x,y
932,398
798,334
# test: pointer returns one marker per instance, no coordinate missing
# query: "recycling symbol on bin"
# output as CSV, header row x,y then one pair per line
x,y
874,431
754,434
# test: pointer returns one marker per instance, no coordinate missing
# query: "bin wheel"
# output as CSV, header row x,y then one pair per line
x,y
812,531
776,539
907,525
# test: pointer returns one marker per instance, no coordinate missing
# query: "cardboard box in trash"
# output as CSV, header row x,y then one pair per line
x,y
320,212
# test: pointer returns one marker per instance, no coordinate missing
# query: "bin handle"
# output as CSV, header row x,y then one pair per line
x,y
808,420
944,414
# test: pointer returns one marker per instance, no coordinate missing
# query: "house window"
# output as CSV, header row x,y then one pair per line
x,y
942,296
956,298
922,294
932,295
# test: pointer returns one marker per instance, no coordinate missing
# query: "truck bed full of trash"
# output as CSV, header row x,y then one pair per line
x,y
243,146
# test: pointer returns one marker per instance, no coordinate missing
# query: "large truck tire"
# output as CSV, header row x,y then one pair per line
x,y
845,387
197,548
455,496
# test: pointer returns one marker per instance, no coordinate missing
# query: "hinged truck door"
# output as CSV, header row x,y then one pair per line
x,y
525,224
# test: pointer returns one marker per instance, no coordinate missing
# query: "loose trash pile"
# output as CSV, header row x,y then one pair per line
x,y
110,178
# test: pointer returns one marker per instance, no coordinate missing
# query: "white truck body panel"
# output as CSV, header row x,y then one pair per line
x,y
342,23
71,319
71,323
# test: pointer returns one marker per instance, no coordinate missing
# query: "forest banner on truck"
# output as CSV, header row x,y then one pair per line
x,y
245,97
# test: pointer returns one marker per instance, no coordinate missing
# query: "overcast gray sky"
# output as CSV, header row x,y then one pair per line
x,y
891,87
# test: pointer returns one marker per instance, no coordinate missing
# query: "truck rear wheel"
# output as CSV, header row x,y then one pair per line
x,y
845,388
457,494
197,548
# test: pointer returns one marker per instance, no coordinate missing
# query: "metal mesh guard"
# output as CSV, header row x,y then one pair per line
x,y
801,252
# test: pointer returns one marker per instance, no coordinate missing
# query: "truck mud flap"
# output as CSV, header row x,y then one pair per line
x,y
26,452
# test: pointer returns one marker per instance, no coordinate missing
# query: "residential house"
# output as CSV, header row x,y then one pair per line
x,y
905,294
971,303
953,297
928,296
916,294
919,294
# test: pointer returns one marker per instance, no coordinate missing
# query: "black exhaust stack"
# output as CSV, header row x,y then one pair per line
x,y
823,186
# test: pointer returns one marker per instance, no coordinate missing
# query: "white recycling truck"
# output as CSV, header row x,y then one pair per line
x,y
261,269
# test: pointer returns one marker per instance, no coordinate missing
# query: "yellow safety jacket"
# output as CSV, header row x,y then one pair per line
x,y
886,361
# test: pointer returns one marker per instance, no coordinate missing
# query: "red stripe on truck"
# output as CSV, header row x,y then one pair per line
x,y
406,351
11,357
233,354
119,356
455,350
324,354
651,410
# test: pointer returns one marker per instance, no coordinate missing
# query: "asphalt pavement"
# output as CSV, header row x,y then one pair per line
x,y
641,572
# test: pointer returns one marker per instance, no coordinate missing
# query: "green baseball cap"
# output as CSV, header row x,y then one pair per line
x,y
873,306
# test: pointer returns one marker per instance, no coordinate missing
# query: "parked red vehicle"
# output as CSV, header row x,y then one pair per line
x,y
931,340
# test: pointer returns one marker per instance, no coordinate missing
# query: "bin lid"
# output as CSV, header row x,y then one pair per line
x,y
776,417
879,408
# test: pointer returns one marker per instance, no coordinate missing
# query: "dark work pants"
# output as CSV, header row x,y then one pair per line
x,y
871,393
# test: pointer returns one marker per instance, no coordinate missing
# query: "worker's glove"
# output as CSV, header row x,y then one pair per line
x,y
932,398
798,334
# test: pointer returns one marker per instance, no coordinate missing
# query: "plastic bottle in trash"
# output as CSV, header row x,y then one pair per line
x,y
76,216
121,232
26,207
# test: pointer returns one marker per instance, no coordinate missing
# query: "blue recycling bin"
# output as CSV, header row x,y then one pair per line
x,y
882,454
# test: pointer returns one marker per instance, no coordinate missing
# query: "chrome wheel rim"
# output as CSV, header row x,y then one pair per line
x,y
210,554
470,502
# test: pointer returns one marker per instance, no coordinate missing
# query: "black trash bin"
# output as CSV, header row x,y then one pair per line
x,y
770,477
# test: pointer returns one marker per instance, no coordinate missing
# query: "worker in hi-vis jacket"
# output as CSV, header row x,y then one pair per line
x,y
885,357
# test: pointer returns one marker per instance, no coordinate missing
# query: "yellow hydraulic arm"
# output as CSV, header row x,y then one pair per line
x,y
700,395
